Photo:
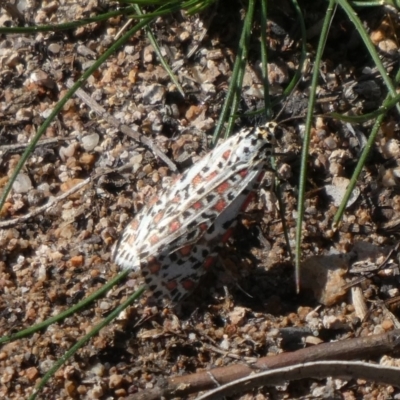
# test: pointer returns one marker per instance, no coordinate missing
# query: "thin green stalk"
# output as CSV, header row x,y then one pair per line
x,y
66,25
369,45
197,6
370,3
190,6
157,49
66,313
303,55
232,87
389,103
248,23
360,165
298,73
306,143
361,162
264,60
84,340
129,12
168,9
148,2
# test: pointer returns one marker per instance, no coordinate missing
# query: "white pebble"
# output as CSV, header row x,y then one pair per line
x,y
22,184
89,142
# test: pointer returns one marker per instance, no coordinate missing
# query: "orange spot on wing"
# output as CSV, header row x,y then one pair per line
x,y
220,205
174,226
243,173
203,227
208,263
158,217
211,176
153,265
171,285
223,187
154,239
186,250
226,154
131,239
188,284
197,205
197,180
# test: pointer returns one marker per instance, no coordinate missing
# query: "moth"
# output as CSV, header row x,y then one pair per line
x,y
174,238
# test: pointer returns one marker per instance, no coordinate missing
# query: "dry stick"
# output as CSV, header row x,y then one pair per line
x,y
16,147
45,207
98,109
319,370
227,354
358,348
55,200
22,146
372,272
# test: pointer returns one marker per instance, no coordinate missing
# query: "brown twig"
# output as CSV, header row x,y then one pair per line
x,y
370,273
317,370
358,348
22,146
45,207
98,109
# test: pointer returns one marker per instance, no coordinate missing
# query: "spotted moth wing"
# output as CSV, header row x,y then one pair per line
x,y
180,271
173,237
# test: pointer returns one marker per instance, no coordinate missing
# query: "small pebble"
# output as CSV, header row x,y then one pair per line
x,y
89,142
387,325
22,184
54,48
154,94
115,381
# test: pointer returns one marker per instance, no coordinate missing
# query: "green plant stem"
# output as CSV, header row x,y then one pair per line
x,y
242,61
361,162
157,49
66,313
85,339
306,142
370,3
297,75
65,26
234,84
128,11
389,103
369,45
303,55
264,59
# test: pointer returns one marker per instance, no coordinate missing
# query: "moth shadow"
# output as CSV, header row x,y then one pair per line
x,y
269,291
250,274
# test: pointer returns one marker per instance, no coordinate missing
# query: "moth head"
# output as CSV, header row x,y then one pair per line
x,y
267,133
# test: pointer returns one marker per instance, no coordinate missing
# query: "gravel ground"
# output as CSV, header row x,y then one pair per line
x,y
54,256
